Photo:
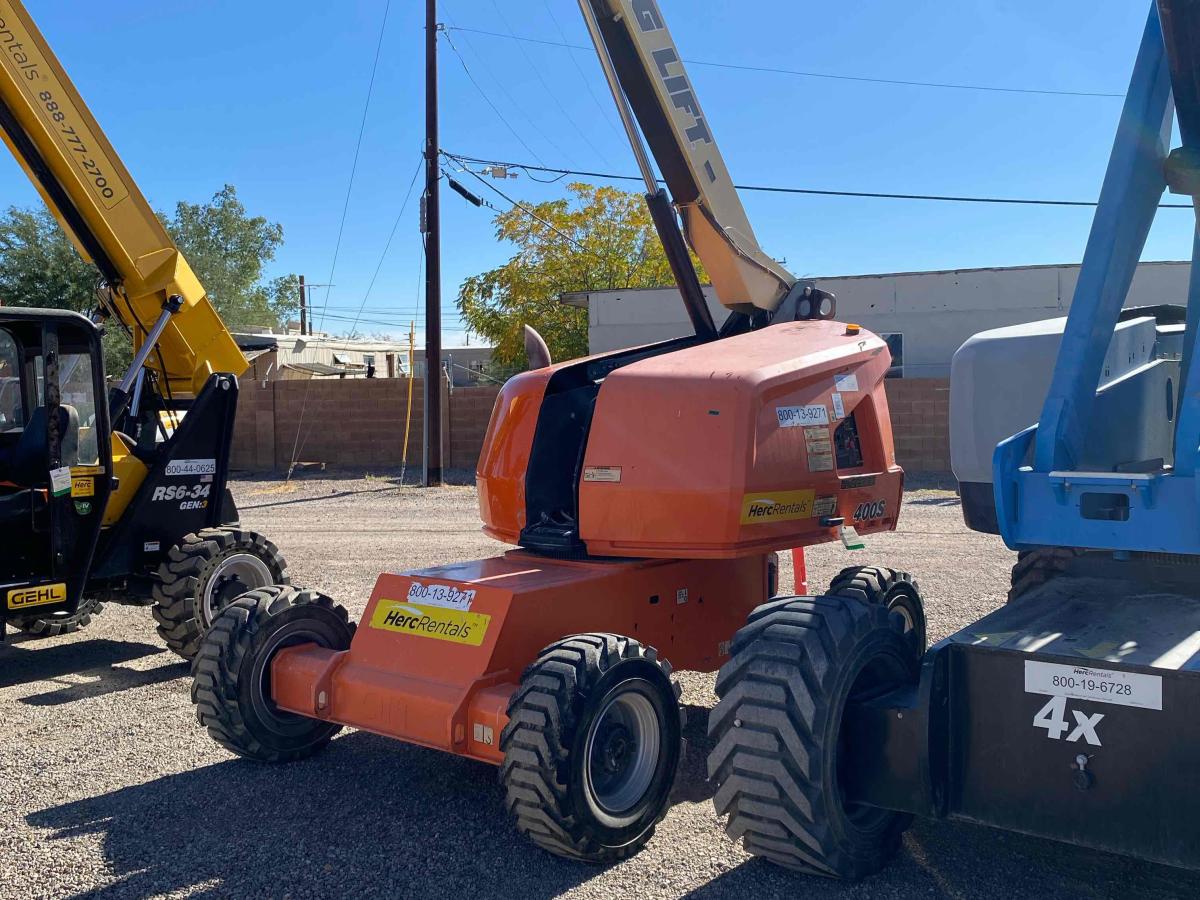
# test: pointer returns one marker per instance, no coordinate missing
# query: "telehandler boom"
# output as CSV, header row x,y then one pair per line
x,y
117,495
648,491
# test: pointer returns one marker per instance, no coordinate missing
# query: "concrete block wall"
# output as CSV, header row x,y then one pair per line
x,y
360,423
355,422
920,411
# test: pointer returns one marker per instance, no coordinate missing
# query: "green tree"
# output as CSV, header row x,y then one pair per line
x,y
598,238
227,249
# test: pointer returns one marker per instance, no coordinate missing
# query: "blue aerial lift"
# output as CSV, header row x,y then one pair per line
x,y
1069,712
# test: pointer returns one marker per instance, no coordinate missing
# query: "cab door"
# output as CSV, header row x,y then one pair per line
x,y
55,459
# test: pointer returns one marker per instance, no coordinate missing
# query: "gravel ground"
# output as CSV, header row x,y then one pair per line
x,y
109,788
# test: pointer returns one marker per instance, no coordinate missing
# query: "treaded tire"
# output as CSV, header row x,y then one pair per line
x,y
549,787
184,577
1035,567
896,591
56,624
231,673
775,732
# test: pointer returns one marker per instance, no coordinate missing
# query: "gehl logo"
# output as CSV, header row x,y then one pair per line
x,y
42,595
666,60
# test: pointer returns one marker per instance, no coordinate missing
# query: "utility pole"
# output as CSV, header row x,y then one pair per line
x,y
433,261
303,309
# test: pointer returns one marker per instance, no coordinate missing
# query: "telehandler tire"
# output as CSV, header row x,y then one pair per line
x,y
593,741
203,574
231,676
776,732
55,624
898,592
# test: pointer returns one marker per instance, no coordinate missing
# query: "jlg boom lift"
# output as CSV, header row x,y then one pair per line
x,y
1070,712
115,495
647,490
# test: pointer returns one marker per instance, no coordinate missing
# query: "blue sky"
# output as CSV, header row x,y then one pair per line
x,y
268,96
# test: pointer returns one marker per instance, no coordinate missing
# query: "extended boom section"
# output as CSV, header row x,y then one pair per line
x,y
51,132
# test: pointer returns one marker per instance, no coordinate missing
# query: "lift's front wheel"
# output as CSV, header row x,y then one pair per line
x,y
591,747
231,679
779,757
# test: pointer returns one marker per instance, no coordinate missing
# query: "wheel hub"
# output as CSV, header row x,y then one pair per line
x,y
622,752
234,575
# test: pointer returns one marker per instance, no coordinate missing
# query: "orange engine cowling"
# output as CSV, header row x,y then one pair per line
x,y
760,441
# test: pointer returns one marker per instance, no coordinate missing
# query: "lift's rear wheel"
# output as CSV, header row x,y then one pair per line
x,y
231,677
778,751
203,574
55,624
591,747
897,592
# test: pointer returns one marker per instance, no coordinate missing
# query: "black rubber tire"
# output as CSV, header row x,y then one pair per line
x,y
230,676
545,745
183,578
775,732
55,624
1035,567
896,591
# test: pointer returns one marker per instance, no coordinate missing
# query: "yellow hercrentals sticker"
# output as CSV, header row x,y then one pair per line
x,y
435,622
83,486
776,506
42,595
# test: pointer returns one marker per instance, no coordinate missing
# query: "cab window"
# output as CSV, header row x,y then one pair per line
x,y
12,412
78,391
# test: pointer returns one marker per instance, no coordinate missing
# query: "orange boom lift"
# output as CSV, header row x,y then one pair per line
x,y
647,489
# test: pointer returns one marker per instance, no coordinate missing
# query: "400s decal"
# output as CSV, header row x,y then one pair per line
x,y
872,509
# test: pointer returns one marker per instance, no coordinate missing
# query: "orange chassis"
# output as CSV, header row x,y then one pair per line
x,y
405,676
440,652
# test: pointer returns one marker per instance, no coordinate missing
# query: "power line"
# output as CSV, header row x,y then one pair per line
x,y
525,209
799,73
387,246
362,127
498,84
488,101
605,110
297,446
542,80
819,192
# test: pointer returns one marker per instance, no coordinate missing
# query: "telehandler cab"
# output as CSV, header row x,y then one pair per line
x,y
121,494
648,491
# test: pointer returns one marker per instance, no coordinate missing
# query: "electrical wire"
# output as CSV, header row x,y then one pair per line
x,y
819,192
799,73
605,110
297,446
387,246
498,84
517,205
488,101
545,85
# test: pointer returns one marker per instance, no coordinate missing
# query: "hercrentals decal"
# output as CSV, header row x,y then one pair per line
x,y
456,626
776,506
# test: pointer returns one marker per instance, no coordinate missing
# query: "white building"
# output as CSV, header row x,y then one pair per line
x,y
289,355
925,316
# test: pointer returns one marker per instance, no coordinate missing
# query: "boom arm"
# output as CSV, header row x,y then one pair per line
x,y
634,44
62,149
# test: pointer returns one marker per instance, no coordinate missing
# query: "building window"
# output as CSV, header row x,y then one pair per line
x,y
368,359
895,344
